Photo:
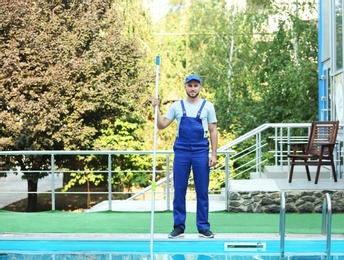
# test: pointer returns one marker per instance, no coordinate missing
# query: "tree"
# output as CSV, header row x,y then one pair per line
x,y
67,68
252,69
257,73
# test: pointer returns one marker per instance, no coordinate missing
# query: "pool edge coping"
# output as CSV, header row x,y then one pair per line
x,y
132,236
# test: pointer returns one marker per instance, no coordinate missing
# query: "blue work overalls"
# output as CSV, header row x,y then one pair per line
x,y
191,149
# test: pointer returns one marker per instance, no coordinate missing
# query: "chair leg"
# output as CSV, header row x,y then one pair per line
x,y
308,173
318,173
291,172
333,171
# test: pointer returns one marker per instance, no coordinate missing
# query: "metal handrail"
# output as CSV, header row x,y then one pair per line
x,y
149,188
281,137
109,170
327,217
282,223
246,136
282,133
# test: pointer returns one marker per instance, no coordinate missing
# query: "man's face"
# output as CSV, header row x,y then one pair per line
x,y
193,88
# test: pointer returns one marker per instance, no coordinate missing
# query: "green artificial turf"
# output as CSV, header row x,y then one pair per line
x,y
140,222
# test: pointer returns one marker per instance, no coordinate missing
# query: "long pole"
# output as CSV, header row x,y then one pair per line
x,y
157,62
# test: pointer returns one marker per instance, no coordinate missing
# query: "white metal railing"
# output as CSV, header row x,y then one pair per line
x,y
110,171
281,134
256,150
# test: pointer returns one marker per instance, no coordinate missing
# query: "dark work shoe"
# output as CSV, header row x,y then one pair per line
x,y
176,233
205,233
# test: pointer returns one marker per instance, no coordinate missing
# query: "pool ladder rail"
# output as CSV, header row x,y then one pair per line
x,y
326,222
282,223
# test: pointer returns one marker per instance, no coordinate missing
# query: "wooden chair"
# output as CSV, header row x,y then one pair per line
x,y
318,151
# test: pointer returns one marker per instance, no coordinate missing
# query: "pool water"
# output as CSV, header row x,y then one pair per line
x,y
114,256
168,249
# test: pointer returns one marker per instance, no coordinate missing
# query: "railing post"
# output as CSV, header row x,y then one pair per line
x,y
276,146
52,182
281,146
227,177
259,154
109,182
288,151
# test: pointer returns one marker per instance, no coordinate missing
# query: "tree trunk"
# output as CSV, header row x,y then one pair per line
x,y
32,197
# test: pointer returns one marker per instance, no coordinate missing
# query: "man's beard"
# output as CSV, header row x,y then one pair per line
x,y
192,96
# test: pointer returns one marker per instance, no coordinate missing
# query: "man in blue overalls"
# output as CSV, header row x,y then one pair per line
x,y
196,120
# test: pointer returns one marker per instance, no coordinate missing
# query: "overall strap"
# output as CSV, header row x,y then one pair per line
x,y
183,107
200,110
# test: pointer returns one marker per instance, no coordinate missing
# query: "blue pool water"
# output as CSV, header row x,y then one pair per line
x,y
167,249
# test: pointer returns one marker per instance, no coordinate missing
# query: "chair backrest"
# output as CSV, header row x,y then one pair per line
x,y
322,132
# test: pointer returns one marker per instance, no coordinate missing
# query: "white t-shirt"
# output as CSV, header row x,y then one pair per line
x,y
207,116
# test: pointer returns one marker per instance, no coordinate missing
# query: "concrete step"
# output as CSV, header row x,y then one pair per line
x,y
282,172
218,197
146,205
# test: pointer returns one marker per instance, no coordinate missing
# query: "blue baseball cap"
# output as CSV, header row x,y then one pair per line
x,y
193,77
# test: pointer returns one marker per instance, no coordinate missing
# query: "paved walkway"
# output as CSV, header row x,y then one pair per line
x,y
218,204
145,206
14,188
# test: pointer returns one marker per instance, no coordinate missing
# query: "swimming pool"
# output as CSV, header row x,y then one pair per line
x,y
188,249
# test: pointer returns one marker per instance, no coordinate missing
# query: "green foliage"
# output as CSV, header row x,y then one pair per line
x,y
256,73
128,169
83,177
77,75
288,80
65,68
120,135
258,76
